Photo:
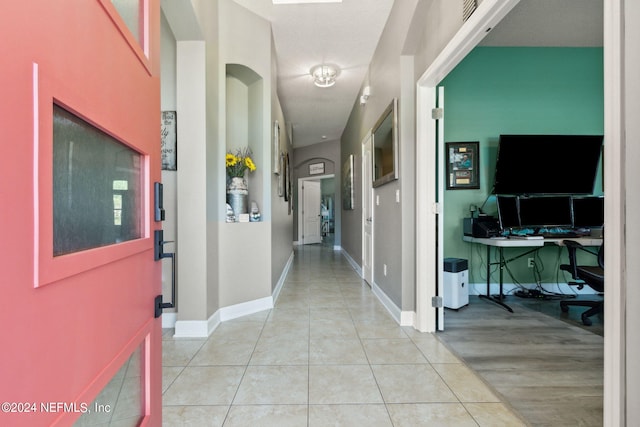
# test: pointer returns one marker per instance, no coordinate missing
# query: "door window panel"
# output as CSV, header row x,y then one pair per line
x,y
121,402
96,187
129,11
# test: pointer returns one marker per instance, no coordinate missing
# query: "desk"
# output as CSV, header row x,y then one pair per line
x,y
504,242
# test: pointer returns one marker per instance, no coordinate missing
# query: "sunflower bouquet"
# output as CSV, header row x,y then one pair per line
x,y
238,163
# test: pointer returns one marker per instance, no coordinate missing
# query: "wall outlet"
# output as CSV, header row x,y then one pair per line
x,y
384,269
530,262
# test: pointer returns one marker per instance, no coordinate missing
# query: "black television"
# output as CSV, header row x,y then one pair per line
x,y
547,164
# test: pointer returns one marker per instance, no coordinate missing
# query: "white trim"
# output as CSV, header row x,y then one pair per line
x,y
407,318
283,277
615,397
204,328
169,320
245,308
197,328
337,247
351,261
403,318
367,186
488,14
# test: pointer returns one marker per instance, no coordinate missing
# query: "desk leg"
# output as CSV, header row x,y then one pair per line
x,y
500,297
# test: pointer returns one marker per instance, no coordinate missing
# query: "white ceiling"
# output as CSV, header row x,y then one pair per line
x,y
347,33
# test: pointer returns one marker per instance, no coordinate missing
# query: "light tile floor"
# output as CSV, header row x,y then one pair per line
x,y
328,354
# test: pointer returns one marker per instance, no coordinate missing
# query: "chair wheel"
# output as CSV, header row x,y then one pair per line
x,y
586,321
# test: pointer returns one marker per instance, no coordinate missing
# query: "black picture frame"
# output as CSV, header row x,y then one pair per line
x,y
462,165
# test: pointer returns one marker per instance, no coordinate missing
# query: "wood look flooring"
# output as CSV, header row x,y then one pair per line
x,y
549,370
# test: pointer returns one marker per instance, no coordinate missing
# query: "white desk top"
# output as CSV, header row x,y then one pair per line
x,y
530,243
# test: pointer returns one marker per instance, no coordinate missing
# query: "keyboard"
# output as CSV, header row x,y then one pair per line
x,y
558,235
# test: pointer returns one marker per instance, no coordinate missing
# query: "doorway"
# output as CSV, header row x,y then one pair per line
x,y
316,207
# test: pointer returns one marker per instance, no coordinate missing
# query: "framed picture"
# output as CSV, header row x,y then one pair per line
x,y
316,168
287,184
276,148
168,149
281,174
347,184
462,165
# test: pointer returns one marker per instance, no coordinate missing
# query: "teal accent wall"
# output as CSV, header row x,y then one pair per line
x,y
497,91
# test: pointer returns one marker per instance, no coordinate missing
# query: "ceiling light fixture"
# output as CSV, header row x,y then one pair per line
x,y
324,75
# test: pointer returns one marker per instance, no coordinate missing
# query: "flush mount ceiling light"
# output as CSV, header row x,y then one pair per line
x,y
324,75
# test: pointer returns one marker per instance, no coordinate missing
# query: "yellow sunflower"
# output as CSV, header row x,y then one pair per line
x,y
231,160
249,163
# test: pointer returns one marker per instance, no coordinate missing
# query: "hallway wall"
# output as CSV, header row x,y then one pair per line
x,y
228,40
414,34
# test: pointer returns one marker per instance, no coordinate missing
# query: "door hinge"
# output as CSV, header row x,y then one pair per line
x,y
436,208
437,113
437,302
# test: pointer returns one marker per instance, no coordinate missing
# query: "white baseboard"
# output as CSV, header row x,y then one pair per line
x,y
283,277
351,261
245,308
337,247
403,318
204,328
169,320
197,328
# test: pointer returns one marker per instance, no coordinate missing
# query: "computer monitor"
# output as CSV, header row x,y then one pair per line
x,y
553,211
588,212
508,214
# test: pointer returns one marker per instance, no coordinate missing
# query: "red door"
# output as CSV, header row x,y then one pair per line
x,y
79,131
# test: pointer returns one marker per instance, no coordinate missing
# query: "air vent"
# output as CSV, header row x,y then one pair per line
x,y
469,7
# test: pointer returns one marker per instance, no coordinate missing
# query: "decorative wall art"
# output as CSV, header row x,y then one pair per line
x,y
462,165
316,168
347,184
168,147
276,148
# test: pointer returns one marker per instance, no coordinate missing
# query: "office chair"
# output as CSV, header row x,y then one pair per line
x,y
590,275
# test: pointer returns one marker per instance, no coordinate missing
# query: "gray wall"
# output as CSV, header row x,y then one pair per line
x,y
414,34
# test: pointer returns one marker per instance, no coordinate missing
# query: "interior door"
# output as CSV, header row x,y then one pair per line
x,y
311,214
440,210
367,210
80,141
